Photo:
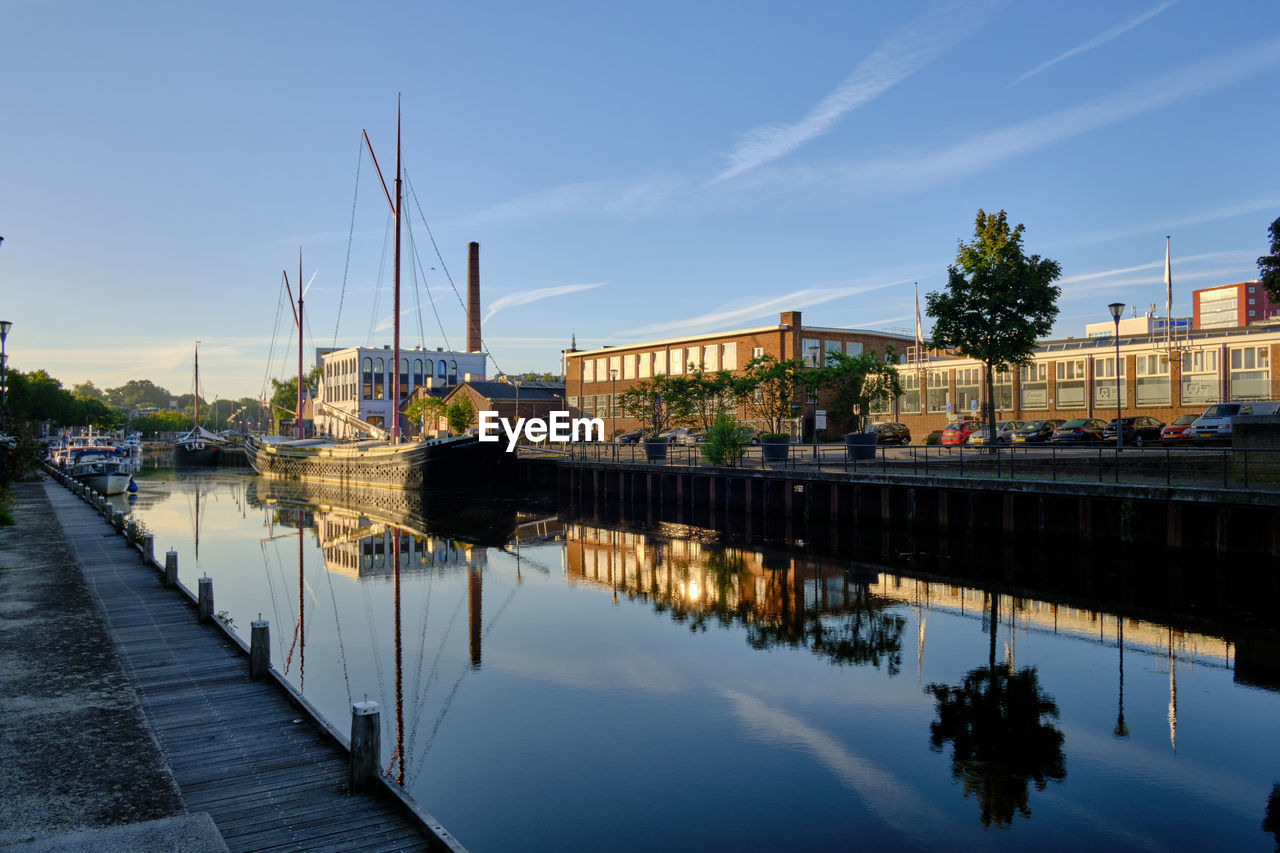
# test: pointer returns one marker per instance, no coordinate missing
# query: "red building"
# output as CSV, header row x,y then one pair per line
x,y
1230,306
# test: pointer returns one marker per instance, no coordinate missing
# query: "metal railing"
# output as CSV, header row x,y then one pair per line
x,y
1170,467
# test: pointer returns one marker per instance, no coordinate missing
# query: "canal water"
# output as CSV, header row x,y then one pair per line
x,y
553,682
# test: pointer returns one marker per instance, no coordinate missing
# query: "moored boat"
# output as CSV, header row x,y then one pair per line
x,y
101,470
199,446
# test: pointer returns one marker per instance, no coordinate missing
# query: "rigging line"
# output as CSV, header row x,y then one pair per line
x,y
342,649
373,640
444,267
382,274
418,693
351,233
415,267
413,248
275,334
433,675
271,588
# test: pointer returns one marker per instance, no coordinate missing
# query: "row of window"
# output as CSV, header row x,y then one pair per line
x,y
664,362
374,380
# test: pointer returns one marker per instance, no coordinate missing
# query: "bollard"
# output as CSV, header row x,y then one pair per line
x,y
366,744
117,522
148,547
131,533
259,650
204,608
170,567
107,509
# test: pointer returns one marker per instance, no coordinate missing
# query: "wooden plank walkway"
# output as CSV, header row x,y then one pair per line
x,y
269,777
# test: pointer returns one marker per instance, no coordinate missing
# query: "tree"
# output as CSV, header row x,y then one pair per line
x,y
700,396
998,300
88,391
768,387
426,412
858,381
138,394
1269,265
461,415
656,403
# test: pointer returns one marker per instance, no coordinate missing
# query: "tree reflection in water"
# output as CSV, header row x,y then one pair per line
x,y
995,721
1271,821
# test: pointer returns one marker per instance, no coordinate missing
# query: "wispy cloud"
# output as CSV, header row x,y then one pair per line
x,y
907,51
996,147
1268,201
622,199
738,311
1096,41
1241,255
528,296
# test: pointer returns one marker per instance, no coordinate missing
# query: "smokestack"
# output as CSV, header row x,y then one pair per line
x,y
473,297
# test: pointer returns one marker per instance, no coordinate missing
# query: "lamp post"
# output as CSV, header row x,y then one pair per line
x,y
5,325
613,410
1117,308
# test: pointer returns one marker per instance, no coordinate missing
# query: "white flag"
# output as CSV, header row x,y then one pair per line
x,y
1168,283
919,333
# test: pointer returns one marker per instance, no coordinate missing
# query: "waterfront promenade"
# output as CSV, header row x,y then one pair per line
x,y
120,710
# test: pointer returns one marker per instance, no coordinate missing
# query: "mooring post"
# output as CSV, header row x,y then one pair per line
x,y
259,650
148,541
131,532
366,744
204,608
117,522
171,568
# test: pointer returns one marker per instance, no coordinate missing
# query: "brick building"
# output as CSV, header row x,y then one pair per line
x,y
1230,305
595,378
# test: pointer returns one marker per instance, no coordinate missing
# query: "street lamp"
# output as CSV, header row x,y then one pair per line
x,y
613,410
1117,308
5,325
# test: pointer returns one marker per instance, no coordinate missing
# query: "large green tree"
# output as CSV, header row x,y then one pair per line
x,y
768,387
998,300
1269,265
858,381
138,394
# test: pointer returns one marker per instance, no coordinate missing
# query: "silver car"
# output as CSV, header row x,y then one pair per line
x,y
1004,433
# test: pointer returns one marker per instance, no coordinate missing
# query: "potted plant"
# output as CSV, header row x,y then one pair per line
x,y
646,402
768,387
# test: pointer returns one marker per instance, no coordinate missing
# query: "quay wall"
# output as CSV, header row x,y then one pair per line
x,y
1133,516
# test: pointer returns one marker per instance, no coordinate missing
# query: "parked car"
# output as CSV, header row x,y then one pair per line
x,y
693,436
632,437
1004,433
1079,431
675,436
1137,431
958,432
890,433
1178,432
1215,424
1036,432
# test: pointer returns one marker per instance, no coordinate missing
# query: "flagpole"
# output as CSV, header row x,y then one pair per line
x,y
1168,298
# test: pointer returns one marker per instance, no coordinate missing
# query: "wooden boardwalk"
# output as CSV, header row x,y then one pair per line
x,y
270,778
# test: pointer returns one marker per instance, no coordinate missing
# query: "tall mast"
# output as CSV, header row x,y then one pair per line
x,y
197,385
300,433
395,364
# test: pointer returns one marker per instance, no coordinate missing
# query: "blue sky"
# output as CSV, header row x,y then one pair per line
x,y
630,171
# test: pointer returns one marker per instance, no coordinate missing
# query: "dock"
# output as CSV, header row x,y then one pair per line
x,y
249,753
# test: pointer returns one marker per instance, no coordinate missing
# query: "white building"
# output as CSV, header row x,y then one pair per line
x,y
358,381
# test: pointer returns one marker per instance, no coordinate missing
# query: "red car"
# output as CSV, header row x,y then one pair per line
x,y
1179,431
959,431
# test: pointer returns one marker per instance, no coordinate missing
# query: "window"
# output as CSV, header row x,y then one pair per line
x,y
832,346
938,390
366,380
1071,376
573,402
711,357
1002,394
1153,380
589,406
602,370
1250,373
910,400
442,371
628,367
644,365
660,363
811,352
588,370
853,348
677,361
418,374
1034,388
404,378
379,379
729,357
967,389
757,352
1219,308
1199,377
692,359
453,373
1104,383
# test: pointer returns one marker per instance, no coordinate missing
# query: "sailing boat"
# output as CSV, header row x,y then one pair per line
x,y
382,461
199,446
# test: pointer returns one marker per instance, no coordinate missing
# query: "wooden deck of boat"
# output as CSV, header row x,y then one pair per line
x,y
238,749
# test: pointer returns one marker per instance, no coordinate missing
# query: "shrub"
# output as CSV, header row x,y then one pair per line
x,y
726,441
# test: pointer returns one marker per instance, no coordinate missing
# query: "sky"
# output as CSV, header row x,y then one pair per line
x,y
631,171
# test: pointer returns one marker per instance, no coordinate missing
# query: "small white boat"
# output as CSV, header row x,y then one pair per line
x,y
101,470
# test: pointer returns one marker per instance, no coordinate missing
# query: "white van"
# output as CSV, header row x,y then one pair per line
x,y
1215,423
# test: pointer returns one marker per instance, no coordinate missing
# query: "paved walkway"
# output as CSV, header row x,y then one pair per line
x,y
233,748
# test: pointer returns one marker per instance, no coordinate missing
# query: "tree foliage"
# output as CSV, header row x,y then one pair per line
x,y
461,415
858,381
699,397
138,394
1269,265
656,403
36,396
998,299
426,413
768,388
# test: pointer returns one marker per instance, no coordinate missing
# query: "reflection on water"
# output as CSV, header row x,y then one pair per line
x,y
629,685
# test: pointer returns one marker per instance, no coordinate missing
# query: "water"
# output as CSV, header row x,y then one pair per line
x,y
582,684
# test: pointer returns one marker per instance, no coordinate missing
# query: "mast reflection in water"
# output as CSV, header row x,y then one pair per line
x,y
646,686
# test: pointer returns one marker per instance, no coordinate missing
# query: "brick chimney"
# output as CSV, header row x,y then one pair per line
x,y
473,297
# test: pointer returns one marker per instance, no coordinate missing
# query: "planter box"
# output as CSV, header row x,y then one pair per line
x,y
775,448
861,445
655,449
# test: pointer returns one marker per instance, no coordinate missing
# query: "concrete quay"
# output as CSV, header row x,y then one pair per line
x,y
129,722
